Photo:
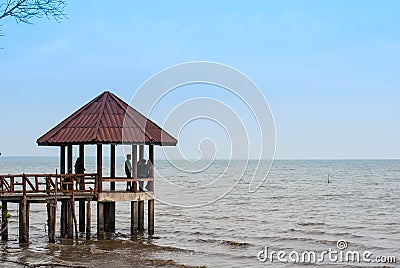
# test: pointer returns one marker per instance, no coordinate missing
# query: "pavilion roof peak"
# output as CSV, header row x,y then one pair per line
x,y
106,119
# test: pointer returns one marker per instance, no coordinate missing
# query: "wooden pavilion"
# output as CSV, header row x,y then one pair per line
x,y
105,120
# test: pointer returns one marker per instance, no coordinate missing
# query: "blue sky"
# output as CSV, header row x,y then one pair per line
x,y
330,70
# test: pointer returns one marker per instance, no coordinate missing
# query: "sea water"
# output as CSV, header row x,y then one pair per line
x,y
202,223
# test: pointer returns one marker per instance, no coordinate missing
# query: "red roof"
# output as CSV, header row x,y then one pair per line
x,y
107,119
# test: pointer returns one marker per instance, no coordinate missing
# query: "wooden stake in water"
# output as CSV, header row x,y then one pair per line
x,y
328,179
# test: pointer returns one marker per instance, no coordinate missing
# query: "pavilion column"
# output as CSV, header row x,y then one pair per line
x,y
151,160
99,184
150,203
112,166
62,160
69,158
134,167
82,216
141,152
141,156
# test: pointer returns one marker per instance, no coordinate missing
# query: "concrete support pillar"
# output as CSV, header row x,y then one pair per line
x,y
140,216
134,217
150,216
100,219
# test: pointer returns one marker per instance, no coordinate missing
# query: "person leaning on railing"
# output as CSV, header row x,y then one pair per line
x,y
79,169
128,172
143,171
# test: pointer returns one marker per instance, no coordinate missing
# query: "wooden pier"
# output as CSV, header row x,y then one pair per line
x,y
104,120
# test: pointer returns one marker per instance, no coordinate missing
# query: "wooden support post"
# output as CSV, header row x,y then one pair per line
x,y
150,216
88,219
134,217
134,167
23,222
62,160
100,219
70,220
141,216
4,235
99,187
51,220
151,160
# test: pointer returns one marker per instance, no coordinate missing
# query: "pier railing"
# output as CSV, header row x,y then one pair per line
x,y
47,183
61,183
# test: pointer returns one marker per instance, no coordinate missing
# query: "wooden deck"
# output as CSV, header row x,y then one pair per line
x,y
69,189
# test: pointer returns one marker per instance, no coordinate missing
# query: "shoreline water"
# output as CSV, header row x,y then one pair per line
x,y
294,209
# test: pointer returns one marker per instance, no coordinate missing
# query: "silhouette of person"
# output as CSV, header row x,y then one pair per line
x,y
128,172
